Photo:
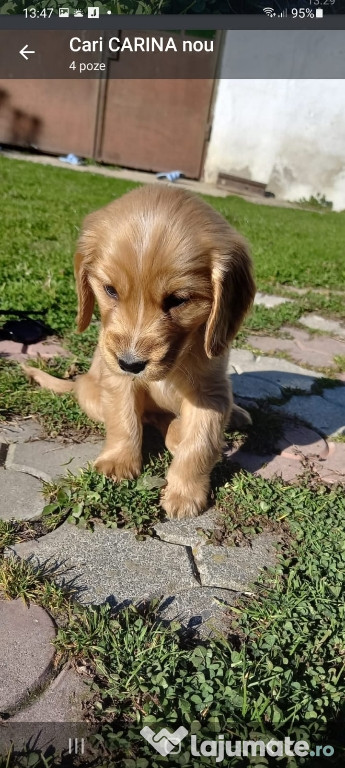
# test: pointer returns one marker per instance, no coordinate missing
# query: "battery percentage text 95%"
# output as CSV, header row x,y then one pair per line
x,y
302,13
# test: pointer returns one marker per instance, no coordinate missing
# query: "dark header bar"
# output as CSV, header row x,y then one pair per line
x,y
126,54
173,22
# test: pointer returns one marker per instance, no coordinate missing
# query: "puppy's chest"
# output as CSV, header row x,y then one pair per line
x,y
165,396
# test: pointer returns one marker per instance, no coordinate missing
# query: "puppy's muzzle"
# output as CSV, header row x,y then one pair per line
x,y
131,364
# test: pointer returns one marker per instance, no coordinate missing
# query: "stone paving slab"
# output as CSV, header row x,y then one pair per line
x,y
281,371
245,361
322,415
264,377
235,568
111,564
48,459
48,737
333,470
297,440
20,431
286,468
60,702
52,718
335,395
303,347
26,651
318,323
203,610
297,444
249,461
253,387
269,301
241,360
188,532
13,350
20,496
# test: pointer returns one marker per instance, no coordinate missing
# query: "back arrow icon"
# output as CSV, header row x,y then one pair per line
x,y
24,51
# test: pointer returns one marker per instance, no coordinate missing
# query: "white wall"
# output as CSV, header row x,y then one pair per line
x,y
288,134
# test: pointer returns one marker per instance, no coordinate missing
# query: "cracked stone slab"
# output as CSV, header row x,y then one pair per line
x,y
318,323
111,564
13,350
235,568
335,395
249,385
47,459
303,347
268,466
332,470
251,462
188,532
20,496
274,372
286,468
60,702
269,300
296,444
202,611
26,651
322,415
20,431
297,440
44,721
241,359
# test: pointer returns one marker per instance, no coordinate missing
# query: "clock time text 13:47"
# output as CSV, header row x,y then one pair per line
x,y
35,13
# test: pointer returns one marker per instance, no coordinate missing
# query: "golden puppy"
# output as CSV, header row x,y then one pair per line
x,y
173,282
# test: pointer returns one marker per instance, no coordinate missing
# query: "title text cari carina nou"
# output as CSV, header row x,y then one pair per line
x,y
148,44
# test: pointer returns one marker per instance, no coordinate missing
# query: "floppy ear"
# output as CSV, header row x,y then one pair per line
x,y
86,299
233,294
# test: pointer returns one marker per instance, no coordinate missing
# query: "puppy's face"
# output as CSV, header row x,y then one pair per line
x,y
151,259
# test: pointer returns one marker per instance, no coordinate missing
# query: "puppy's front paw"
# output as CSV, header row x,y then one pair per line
x,y
239,418
118,469
179,505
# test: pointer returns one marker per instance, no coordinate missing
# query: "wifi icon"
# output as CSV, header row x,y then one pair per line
x,y
269,11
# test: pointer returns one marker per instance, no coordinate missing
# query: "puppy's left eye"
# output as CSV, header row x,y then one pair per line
x,y
111,291
173,300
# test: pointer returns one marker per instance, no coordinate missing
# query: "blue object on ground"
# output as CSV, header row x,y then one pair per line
x,y
72,159
170,175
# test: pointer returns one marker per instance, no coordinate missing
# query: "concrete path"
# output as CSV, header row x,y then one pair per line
x,y
144,177
196,581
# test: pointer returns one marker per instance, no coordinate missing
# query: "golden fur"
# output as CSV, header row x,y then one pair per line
x,y
179,283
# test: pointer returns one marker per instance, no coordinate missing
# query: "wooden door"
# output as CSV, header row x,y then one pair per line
x,y
156,124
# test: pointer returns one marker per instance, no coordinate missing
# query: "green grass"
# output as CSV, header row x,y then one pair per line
x,y
280,671
294,247
88,498
43,207
58,414
282,667
19,579
7,535
42,210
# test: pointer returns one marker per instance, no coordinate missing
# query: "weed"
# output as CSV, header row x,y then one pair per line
x,y
282,667
90,497
58,414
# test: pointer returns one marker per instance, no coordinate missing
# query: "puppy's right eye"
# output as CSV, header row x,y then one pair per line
x,y
173,300
111,291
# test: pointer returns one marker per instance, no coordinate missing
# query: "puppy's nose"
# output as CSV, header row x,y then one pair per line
x,y
131,363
